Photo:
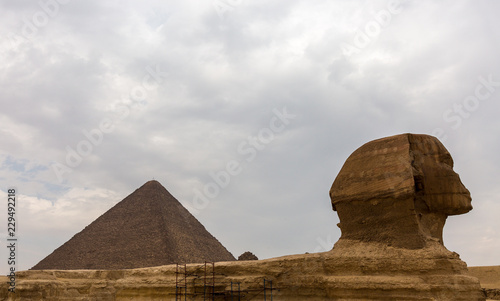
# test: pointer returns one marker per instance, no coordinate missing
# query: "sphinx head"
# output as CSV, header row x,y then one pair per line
x,y
398,190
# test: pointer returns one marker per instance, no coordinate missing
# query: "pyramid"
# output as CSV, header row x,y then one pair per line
x,y
147,228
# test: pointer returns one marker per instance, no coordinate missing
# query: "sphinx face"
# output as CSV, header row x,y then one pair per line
x,y
436,184
398,190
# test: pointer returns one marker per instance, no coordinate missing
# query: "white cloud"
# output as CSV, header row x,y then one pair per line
x,y
50,223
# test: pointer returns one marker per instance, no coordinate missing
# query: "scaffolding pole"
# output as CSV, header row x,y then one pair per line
x,y
213,281
206,283
185,282
232,291
178,283
270,288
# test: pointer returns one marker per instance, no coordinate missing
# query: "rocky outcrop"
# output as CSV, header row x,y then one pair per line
x,y
355,271
392,196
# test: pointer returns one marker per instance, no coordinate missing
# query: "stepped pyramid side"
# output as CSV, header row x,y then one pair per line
x,y
147,228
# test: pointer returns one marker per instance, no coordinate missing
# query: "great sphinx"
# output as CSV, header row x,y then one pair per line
x,y
398,191
392,195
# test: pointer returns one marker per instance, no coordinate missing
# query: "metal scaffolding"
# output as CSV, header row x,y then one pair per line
x,y
200,282
180,286
237,293
270,289
209,290
188,282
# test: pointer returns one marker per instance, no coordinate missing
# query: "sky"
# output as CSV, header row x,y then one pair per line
x,y
244,110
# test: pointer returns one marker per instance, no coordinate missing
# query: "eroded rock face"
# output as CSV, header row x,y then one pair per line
x,y
399,191
353,271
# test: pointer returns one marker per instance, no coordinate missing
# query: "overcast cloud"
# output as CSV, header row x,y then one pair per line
x,y
98,97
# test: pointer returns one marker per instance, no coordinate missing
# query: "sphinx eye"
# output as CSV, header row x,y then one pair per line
x,y
419,183
446,159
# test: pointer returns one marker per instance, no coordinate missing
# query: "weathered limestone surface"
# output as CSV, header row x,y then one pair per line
x,y
398,190
358,271
393,196
489,276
